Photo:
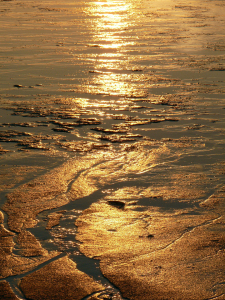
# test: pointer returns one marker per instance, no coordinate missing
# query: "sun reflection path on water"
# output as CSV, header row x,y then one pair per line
x,y
111,25
110,18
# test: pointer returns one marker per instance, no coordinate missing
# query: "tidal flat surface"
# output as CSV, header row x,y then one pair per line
x,y
112,150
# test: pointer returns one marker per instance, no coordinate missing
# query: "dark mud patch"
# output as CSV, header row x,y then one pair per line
x,y
116,203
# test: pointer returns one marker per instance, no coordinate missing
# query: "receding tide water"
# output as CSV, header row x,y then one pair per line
x,y
112,149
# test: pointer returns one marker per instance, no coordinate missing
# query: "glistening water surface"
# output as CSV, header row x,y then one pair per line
x,y
112,149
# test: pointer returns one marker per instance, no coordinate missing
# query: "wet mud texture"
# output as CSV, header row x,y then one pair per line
x,y
112,150
59,280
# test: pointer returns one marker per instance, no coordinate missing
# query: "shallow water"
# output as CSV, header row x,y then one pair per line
x,y
112,117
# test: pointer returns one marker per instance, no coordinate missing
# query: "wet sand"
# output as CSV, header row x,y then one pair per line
x,y
112,150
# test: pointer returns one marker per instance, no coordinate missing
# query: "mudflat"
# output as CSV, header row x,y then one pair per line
x,y
112,155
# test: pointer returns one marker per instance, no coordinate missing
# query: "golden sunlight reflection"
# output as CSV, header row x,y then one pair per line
x,y
111,26
114,84
110,19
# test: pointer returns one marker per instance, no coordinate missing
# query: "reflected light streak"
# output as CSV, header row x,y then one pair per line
x,y
111,21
